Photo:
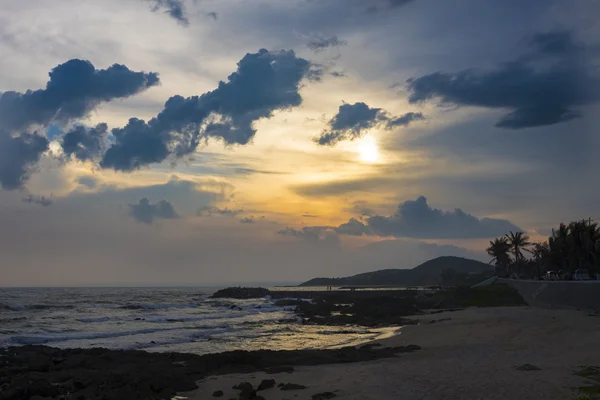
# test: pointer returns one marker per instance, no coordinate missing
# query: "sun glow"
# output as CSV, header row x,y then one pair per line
x,y
368,150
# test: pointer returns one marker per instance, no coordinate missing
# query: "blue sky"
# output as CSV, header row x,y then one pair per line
x,y
328,137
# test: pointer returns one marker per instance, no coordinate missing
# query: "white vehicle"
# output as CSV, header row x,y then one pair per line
x,y
581,275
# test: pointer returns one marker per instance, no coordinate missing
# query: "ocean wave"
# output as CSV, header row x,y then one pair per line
x,y
97,319
45,338
156,306
24,307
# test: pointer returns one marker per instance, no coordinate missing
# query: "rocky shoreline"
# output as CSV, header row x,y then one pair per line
x,y
40,372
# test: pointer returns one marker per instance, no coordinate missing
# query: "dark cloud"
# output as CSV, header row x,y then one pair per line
x,y
263,83
405,120
320,43
544,87
337,74
208,211
353,228
39,200
147,212
18,157
174,8
75,88
248,220
416,219
352,120
86,143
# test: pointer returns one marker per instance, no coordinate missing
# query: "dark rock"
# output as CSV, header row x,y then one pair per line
x,y
42,387
292,386
241,293
218,393
247,393
280,385
288,302
266,384
323,396
243,385
167,393
101,374
527,367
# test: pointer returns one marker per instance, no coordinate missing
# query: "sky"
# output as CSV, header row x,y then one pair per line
x,y
203,142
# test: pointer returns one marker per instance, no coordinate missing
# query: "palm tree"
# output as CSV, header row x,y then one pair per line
x,y
541,257
518,241
498,250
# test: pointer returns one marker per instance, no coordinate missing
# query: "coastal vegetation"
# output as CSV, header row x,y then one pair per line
x,y
570,247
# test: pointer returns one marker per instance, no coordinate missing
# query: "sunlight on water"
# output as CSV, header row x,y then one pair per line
x,y
161,319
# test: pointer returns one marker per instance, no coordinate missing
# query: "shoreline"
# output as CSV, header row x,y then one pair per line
x,y
96,373
478,353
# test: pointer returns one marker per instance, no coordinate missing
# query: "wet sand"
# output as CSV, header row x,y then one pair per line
x,y
472,356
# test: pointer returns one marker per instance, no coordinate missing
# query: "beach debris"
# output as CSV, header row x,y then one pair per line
x,y
266,384
527,367
218,393
324,396
292,386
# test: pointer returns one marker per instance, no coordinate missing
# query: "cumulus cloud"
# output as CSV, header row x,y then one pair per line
x,y
174,8
320,43
75,88
19,156
39,200
353,120
263,83
417,219
544,87
85,143
146,212
209,211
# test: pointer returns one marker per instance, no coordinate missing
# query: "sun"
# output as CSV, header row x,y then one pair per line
x,y
368,150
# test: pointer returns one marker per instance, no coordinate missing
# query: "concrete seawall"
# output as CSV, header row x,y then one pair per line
x,y
548,294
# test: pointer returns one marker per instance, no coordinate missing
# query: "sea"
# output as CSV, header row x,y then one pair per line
x,y
161,320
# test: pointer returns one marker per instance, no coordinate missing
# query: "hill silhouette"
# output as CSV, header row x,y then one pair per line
x,y
428,273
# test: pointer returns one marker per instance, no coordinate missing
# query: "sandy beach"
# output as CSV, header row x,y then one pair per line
x,y
474,355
